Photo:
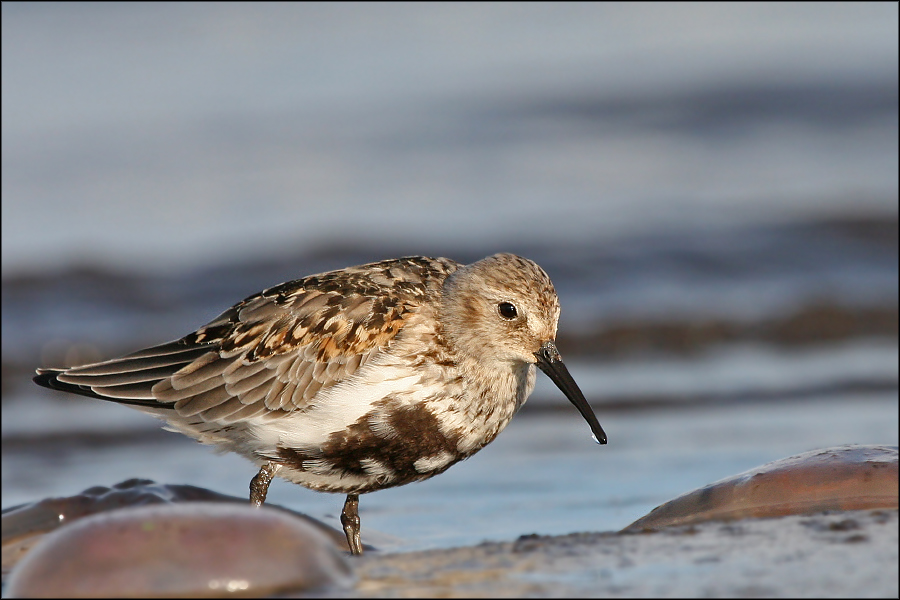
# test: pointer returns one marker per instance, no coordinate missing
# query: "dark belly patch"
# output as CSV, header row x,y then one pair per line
x,y
413,433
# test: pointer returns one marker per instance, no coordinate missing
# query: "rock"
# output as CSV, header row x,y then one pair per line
x,y
191,549
24,525
840,478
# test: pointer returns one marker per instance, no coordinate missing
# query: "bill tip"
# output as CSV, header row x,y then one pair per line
x,y
601,442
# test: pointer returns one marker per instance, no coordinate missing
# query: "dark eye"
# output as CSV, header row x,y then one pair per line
x,y
507,310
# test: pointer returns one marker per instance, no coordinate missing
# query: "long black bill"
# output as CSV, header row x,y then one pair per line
x,y
550,362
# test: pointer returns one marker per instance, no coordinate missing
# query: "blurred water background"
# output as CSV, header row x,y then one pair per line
x,y
712,188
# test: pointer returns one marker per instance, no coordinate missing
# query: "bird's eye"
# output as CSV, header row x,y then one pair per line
x,y
507,310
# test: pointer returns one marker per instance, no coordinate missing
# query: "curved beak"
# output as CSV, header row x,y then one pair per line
x,y
550,362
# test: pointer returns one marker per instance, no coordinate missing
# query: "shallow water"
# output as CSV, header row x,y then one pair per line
x,y
543,474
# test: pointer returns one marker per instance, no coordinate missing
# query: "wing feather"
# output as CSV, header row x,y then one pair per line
x,y
249,383
195,405
208,366
128,391
115,379
286,399
273,352
164,391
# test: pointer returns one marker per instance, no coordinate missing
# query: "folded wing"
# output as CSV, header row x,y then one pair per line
x,y
269,355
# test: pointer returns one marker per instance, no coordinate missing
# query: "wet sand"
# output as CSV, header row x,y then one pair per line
x,y
843,554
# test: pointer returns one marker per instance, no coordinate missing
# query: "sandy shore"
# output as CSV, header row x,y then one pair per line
x,y
844,554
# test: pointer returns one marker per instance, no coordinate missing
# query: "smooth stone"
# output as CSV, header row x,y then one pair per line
x,y
195,549
24,525
848,477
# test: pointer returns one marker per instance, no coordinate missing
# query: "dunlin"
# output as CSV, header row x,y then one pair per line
x,y
354,380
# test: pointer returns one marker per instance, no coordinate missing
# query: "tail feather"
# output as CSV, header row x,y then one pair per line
x,y
128,379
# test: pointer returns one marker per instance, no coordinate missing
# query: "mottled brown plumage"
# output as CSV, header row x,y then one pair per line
x,y
353,380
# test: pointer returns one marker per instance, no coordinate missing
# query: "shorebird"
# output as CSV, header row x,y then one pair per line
x,y
354,380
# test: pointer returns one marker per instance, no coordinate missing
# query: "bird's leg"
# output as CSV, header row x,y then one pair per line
x,y
259,485
350,521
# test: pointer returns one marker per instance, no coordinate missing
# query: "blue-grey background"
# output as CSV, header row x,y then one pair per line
x,y
712,188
